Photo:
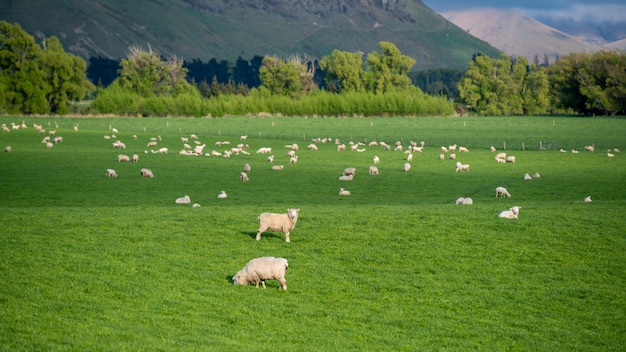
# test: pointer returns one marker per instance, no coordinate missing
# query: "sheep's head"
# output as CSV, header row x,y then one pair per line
x,y
516,209
239,279
293,213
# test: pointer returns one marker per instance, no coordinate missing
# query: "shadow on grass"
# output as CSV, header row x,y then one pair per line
x,y
252,235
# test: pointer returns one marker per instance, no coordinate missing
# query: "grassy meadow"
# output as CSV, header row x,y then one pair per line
x,y
90,263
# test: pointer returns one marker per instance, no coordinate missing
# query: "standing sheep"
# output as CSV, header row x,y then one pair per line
x,y
244,177
500,157
110,173
246,168
7,149
278,222
146,173
501,191
407,167
588,199
260,269
462,167
373,170
122,157
349,171
135,158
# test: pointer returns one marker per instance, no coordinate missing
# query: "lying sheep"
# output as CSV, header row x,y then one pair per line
x,y
588,199
501,191
110,173
244,177
373,170
344,192
527,177
183,200
7,149
146,173
376,159
278,222
346,178
512,213
246,168
277,167
462,167
464,201
123,157
510,159
260,269
536,175
222,195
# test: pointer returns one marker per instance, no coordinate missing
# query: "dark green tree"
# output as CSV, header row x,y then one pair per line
x,y
388,69
344,71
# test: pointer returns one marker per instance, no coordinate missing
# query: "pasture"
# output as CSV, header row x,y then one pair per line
x,y
113,264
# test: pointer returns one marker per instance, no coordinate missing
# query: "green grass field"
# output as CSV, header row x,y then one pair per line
x,y
113,264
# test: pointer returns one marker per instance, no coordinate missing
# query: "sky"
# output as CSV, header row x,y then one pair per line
x,y
593,10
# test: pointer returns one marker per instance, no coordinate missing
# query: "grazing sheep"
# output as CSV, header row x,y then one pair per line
x,y
463,150
146,173
260,269
110,173
123,157
312,147
574,151
452,156
409,157
500,156
7,149
589,148
246,168
349,171
344,192
135,158
163,150
277,167
407,167
243,137
291,154
512,213
244,177
527,177
346,177
49,145
270,159
493,149
444,149
183,200
222,195
341,147
58,140
278,222
501,191
293,159
118,144
264,150
376,159
459,200
536,175
588,199
510,159
462,167
442,157
373,170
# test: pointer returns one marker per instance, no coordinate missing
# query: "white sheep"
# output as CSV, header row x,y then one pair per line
x,y
118,144
512,213
376,159
407,167
536,175
49,145
246,168
293,159
110,173
344,192
346,177
452,156
277,167
589,148
195,205
312,147
501,191
146,173
270,159
222,195
463,150
164,151
244,177
462,167
527,177
264,150
123,157
260,269
373,170
183,200
588,199
500,157
610,155
409,157
442,157
464,201
278,222
8,149
444,149
510,159
135,158
493,149
349,171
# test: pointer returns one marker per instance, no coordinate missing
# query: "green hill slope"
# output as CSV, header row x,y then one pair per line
x,y
225,29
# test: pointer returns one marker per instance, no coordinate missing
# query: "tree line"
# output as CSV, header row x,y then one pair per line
x,y
40,78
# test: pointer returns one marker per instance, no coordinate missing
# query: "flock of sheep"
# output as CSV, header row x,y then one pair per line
x,y
259,270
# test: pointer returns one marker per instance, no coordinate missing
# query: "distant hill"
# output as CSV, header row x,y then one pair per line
x,y
517,34
228,29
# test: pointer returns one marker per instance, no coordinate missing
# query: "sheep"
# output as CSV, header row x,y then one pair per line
x,y
442,157
164,151
183,200
510,159
464,201
452,156
135,158
244,177
407,167
118,144
277,167
373,170
444,149
344,192
588,199
312,147
146,173
493,149
123,157
501,191
264,150
110,173
58,140
260,269
195,205
512,213
500,156
349,171
589,148
409,157
462,167
278,222
243,137
270,159
463,150
49,145
291,153
7,149
293,159
341,147
527,177
346,177
246,168
536,175
293,147
574,151
222,195
610,155
376,159
452,148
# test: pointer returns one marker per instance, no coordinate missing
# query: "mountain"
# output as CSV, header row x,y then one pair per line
x,y
616,45
517,34
228,29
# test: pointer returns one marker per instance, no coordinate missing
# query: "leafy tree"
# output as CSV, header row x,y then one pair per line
x,y
35,79
292,77
344,71
564,83
603,82
388,69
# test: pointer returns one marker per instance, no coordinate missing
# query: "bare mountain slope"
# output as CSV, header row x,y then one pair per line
x,y
517,34
227,29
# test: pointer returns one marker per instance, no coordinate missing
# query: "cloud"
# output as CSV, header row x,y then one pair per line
x,y
596,13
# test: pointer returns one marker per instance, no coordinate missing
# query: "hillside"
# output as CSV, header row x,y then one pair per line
x,y
227,29
517,34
